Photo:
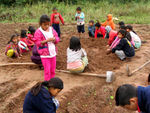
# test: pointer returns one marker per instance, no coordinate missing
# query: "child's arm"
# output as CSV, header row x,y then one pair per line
x,y
104,24
119,46
57,39
81,16
111,39
83,52
62,20
22,45
48,107
52,19
96,33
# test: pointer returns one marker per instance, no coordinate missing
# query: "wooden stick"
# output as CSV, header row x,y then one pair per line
x,y
87,74
139,68
63,71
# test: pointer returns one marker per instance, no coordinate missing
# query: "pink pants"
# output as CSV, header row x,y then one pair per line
x,y
49,65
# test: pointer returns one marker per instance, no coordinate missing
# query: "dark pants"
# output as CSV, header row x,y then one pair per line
x,y
99,35
57,28
90,34
80,28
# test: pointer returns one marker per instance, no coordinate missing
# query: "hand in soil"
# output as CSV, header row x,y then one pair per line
x,y
107,46
108,51
19,57
27,48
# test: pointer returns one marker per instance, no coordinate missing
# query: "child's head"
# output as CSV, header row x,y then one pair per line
x,y
18,36
108,29
31,30
121,23
78,10
44,22
75,44
54,86
91,22
122,27
126,96
97,26
128,36
129,28
23,33
122,33
13,39
109,17
55,10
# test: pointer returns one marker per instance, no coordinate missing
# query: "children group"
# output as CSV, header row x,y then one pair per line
x,y
43,41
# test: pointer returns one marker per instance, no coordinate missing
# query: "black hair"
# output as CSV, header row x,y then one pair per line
x,y
55,82
17,34
123,32
124,93
78,9
44,18
148,78
75,44
31,29
130,28
123,27
128,36
12,36
97,25
54,8
121,23
23,33
91,21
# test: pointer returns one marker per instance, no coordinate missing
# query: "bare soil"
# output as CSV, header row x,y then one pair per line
x,y
82,94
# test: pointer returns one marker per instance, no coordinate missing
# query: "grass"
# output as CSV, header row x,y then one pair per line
x,y
133,13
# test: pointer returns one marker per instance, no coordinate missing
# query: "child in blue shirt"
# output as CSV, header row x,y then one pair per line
x,y
80,21
91,28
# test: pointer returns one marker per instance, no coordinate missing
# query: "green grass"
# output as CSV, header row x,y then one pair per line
x,y
133,13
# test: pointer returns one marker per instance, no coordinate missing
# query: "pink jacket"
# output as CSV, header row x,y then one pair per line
x,y
112,35
100,30
30,37
116,42
43,49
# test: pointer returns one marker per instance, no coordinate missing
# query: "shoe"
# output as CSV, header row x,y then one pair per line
x,y
60,40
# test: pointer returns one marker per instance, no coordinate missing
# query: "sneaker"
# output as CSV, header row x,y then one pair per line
x,y
60,40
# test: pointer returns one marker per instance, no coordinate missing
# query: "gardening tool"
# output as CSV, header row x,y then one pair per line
x,y
128,70
110,76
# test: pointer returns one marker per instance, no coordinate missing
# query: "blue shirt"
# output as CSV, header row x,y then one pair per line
x,y
92,29
41,103
144,98
81,17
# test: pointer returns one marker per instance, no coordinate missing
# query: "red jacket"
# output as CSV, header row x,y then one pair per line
x,y
55,18
100,30
112,35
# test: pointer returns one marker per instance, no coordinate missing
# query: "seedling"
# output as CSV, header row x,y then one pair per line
x,y
68,103
112,97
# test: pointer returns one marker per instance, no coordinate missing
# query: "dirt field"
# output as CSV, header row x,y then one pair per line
x,y
82,94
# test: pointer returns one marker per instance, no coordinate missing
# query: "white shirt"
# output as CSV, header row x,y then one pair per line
x,y
51,45
22,45
73,56
135,37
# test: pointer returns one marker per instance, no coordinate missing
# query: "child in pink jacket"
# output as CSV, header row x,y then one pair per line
x,y
45,38
99,31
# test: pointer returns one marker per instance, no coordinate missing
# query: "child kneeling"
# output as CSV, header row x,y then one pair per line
x,y
76,56
124,49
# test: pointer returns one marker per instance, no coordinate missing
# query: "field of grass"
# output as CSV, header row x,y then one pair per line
x,y
132,12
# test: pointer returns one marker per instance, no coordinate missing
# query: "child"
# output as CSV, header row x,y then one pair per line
x,y
76,56
41,97
80,21
31,31
100,31
55,19
135,37
25,40
21,44
112,34
46,39
124,50
109,22
36,57
133,98
91,28
121,23
12,49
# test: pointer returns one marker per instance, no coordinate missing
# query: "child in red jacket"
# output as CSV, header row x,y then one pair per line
x,y
55,19
99,31
31,31
25,40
